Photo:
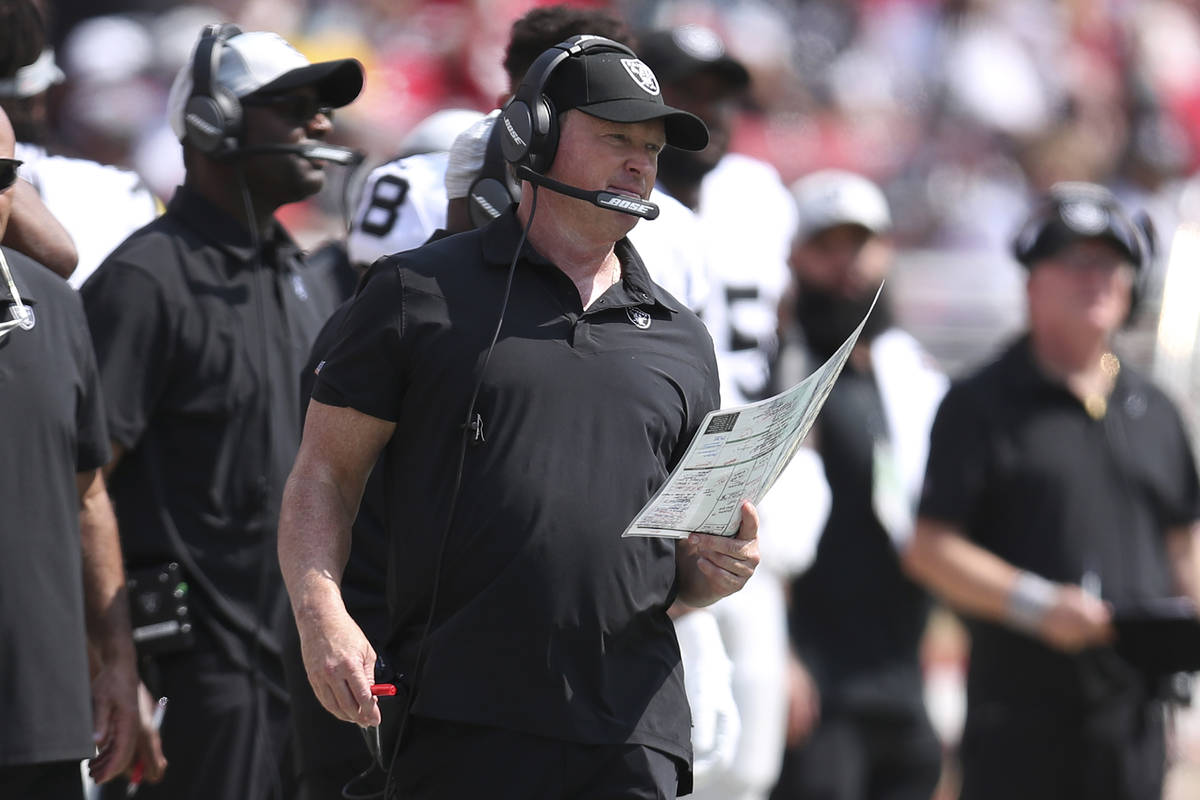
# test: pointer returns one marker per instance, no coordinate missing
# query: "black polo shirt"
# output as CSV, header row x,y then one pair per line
x,y
52,427
1018,464
547,621
200,341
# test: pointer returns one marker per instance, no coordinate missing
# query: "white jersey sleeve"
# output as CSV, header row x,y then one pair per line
x,y
99,205
748,217
672,248
403,202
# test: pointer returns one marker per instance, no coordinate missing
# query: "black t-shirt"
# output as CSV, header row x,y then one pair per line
x,y
200,342
857,619
1017,464
52,427
547,620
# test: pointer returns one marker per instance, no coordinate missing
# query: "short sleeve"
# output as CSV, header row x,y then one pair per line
x,y
131,330
91,431
955,470
364,368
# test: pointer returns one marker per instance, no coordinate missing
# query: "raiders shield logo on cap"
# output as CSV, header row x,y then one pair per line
x,y
641,74
1085,217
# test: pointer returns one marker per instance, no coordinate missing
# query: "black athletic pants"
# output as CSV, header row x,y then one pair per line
x,y
1115,753
53,780
864,756
451,761
225,736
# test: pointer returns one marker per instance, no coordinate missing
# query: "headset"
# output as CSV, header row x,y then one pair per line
x,y
489,194
1135,230
212,118
529,126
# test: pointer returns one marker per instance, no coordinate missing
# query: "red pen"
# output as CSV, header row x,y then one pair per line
x,y
383,689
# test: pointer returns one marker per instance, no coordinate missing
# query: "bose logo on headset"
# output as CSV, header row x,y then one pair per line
x,y
516,137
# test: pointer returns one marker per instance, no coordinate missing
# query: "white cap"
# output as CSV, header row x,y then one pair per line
x,y
833,197
467,155
261,60
436,133
33,79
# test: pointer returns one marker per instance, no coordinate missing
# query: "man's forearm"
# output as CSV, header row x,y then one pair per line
x,y
105,600
314,541
37,233
1183,552
959,571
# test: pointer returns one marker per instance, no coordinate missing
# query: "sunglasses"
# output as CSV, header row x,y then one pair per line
x,y
8,172
295,107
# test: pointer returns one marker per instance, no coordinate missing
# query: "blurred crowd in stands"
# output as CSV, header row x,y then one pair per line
x,y
962,110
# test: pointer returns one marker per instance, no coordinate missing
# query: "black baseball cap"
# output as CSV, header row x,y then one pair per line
x,y
1074,210
681,52
621,88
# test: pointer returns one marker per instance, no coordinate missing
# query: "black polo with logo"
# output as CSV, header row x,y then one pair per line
x,y
1019,465
52,427
546,620
200,341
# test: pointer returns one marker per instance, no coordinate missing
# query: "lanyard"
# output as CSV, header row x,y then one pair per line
x,y
20,313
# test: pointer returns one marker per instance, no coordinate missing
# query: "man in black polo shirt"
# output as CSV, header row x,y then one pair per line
x,y
63,613
202,321
550,667
1060,487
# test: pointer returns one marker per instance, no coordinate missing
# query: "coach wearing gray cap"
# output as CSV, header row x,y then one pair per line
x,y
202,321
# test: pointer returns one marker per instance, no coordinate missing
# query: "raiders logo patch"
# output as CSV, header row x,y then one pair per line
x,y
641,74
638,317
23,314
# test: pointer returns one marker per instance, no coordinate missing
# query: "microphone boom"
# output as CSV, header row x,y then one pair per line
x,y
613,202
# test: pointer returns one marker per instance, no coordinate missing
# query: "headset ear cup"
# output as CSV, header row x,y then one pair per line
x,y
545,139
213,123
212,117
486,199
517,131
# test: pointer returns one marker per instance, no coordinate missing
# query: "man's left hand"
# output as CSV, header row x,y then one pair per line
x,y
711,567
115,711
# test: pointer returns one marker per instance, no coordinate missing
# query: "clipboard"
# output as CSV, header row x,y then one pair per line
x,y
1159,636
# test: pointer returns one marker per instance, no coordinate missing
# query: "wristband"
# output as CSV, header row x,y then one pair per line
x,y
1031,599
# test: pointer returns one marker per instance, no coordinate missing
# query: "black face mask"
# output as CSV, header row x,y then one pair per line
x,y
827,318
682,165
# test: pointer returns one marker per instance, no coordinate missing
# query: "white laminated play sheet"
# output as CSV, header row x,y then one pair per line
x,y
737,455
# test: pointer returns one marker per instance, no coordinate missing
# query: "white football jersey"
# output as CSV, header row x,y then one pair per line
x,y
403,203
747,216
672,247
99,205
